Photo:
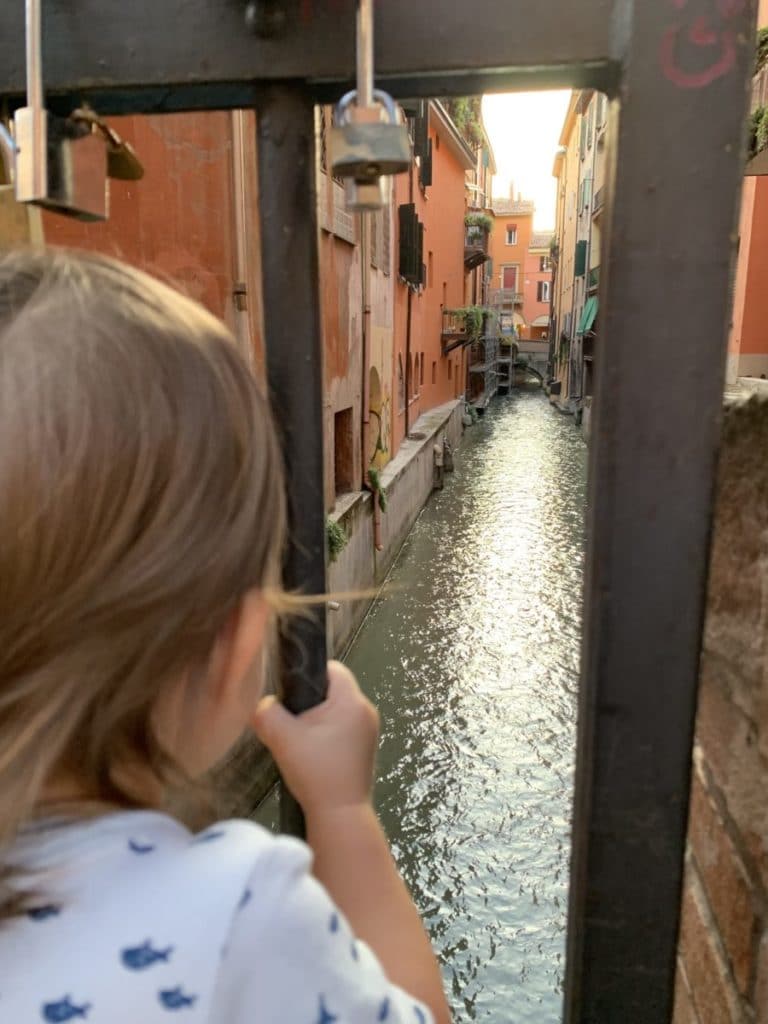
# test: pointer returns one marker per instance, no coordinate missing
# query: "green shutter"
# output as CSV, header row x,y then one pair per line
x,y
580,260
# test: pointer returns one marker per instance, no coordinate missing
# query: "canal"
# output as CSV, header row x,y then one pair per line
x,y
472,659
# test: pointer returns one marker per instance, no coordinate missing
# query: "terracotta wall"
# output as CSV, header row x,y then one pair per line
x,y
533,308
441,208
505,255
748,344
178,222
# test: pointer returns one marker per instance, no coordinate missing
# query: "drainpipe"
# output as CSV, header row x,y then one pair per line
x,y
365,273
408,319
240,289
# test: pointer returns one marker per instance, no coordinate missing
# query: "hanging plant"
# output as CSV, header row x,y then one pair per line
x,y
336,538
479,220
374,483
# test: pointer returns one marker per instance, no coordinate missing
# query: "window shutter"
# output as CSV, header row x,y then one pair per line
x,y
425,173
511,227
422,270
580,259
407,241
539,291
421,142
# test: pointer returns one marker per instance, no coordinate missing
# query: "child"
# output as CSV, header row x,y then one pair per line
x,y
141,533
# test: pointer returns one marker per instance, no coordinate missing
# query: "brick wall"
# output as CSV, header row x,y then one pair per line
x,y
723,953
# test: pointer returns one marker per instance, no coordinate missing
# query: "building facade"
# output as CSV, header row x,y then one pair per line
x,y
510,241
580,170
537,294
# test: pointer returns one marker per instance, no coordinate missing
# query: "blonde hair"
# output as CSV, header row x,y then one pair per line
x,y
141,495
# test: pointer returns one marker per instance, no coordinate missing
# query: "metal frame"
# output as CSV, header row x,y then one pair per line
x,y
680,69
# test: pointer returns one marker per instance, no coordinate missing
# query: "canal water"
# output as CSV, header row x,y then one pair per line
x,y
472,659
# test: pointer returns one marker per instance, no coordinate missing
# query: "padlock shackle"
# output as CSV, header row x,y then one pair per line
x,y
380,98
34,43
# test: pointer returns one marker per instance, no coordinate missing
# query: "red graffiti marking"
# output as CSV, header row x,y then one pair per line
x,y
697,79
702,33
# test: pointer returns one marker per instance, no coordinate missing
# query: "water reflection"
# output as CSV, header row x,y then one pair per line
x,y
473,662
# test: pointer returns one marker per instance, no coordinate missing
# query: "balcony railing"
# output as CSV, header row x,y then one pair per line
x,y
506,297
599,202
475,246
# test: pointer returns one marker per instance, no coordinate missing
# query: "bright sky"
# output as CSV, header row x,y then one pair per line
x,y
524,129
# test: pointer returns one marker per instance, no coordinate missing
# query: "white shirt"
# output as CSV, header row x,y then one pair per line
x,y
141,922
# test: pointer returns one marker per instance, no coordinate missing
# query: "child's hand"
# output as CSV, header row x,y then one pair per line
x,y
326,755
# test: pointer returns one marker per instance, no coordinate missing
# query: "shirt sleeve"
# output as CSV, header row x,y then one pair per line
x,y
291,956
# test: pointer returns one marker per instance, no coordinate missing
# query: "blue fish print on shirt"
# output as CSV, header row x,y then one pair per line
x,y
64,1010
174,999
384,1010
43,913
333,924
420,1015
136,958
325,1016
208,837
136,847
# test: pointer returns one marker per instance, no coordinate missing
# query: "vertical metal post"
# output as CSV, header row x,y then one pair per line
x,y
676,172
38,165
294,358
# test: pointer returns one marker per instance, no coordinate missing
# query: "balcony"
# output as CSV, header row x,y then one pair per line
x,y
506,297
475,246
459,328
597,206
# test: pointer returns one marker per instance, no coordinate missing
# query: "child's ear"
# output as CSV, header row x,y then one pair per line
x,y
240,645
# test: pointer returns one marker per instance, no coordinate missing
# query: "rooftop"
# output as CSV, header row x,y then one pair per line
x,y
541,239
512,207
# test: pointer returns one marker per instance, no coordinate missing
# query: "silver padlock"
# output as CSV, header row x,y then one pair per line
x,y
60,163
363,152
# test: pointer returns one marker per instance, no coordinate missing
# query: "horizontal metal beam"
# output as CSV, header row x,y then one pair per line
x,y
157,56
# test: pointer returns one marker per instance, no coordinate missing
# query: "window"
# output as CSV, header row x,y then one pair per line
x,y
421,370
450,368
343,460
434,373
430,271
511,236
543,291
545,264
509,278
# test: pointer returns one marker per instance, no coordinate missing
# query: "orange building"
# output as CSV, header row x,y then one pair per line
x,y
509,244
192,219
748,343
537,293
430,203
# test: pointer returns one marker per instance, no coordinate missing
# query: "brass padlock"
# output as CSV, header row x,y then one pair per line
x,y
367,150
122,162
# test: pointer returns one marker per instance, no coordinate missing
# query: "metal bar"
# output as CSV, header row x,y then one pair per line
x,y
365,53
94,47
671,234
294,358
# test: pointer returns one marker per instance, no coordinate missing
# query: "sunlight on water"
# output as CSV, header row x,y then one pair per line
x,y
473,662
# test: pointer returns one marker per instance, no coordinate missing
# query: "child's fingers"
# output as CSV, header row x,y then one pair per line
x,y
272,723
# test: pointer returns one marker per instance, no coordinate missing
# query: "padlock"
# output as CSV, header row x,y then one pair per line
x,y
60,163
122,162
366,150
365,196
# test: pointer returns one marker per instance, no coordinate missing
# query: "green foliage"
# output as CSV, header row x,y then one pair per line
x,y
479,220
473,319
336,538
465,113
762,50
374,482
758,131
